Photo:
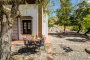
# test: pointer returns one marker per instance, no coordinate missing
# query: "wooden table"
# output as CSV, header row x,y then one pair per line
x,y
32,42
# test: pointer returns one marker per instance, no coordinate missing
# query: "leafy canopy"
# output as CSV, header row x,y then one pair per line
x,y
63,13
87,21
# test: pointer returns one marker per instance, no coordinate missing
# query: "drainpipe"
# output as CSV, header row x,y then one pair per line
x,y
18,27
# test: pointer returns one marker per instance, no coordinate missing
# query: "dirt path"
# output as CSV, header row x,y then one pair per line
x,y
69,46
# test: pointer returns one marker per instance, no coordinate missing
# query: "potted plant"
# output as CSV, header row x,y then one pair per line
x,y
33,36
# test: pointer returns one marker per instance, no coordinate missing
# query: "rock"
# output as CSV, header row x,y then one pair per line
x,y
16,58
21,57
87,50
55,29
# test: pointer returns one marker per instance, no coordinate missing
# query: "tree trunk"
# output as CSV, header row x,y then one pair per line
x,y
79,28
7,19
64,28
87,31
5,43
5,40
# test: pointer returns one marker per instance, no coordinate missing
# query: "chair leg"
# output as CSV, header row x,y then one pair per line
x,y
26,46
34,48
42,43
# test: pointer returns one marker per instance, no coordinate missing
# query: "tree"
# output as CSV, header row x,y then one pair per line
x,y
7,17
87,23
52,21
64,12
80,13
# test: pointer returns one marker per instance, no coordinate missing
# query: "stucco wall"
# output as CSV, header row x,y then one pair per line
x,y
30,10
45,24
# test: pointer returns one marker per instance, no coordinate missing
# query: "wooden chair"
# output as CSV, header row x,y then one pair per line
x,y
41,43
38,44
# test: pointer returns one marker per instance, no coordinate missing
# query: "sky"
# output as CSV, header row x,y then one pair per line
x,y
57,5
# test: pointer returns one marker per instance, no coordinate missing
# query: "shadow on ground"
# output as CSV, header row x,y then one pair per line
x,y
70,34
66,48
76,40
25,50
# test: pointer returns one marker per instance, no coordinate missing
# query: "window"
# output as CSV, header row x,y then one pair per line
x,y
27,27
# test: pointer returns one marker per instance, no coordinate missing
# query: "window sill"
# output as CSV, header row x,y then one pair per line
x,y
26,34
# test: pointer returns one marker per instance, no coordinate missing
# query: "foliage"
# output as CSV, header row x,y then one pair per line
x,y
73,21
33,36
74,28
52,21
44,4
86,23
79,14
64,12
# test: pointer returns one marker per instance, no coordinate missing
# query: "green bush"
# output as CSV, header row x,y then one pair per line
x,y
51,22
74,28
50,25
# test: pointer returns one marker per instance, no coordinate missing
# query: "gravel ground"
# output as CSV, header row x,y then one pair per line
x,y
69,47
20,52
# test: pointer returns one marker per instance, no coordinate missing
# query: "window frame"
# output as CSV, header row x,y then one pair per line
x,y
28,29
0,26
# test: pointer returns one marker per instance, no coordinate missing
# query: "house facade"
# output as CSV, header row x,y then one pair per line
x,y
32,20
